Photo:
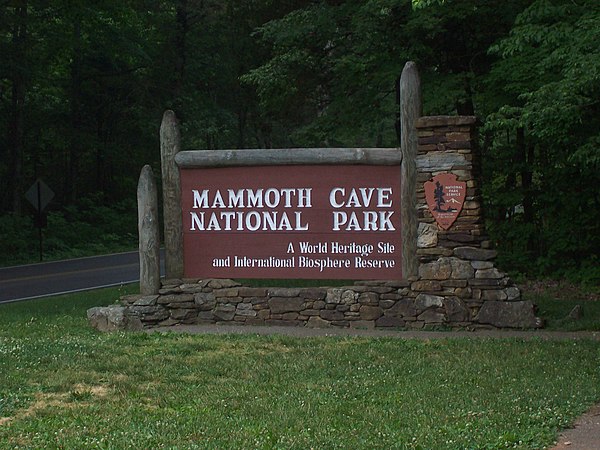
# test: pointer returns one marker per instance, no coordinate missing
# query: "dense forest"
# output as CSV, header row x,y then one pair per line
x,y
83,86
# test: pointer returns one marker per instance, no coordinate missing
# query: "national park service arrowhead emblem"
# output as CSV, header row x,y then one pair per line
x,y
445,198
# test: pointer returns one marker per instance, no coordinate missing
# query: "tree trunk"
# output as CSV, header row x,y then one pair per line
x,y
242,114
75,144
170,145
17,127
148,230
524,157
411,107
180,48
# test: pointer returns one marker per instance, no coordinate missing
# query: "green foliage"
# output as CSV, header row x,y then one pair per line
x,y
541,151
425,3
332,74
556,301
87,229
18,238
83,87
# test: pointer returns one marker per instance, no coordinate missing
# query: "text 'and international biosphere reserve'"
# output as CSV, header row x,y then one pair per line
x,y
292,222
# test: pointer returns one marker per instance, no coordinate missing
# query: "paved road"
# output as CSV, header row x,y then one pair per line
x,y
58,277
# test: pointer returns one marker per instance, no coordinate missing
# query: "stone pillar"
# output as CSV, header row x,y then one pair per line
x,y
447,144
149,239
170,145
457,263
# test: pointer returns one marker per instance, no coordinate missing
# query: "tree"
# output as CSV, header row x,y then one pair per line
x,y
331,79
17,77
542,142
438,195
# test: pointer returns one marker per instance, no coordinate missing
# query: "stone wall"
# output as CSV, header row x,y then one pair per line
x,y
365,305
457,285
457,265
402,304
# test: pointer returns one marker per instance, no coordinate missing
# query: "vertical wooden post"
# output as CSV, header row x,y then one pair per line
x,y
411,108
149,237
170,144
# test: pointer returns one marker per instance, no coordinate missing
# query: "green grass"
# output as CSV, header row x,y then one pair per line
x,y
65,385
556,300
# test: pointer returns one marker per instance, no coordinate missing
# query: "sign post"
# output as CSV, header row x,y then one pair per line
x,y
40,195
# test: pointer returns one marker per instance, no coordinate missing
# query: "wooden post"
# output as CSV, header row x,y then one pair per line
x,y
170,144
149,238
411,108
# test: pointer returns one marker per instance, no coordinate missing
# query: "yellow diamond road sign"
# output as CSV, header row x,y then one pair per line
x,y
39,195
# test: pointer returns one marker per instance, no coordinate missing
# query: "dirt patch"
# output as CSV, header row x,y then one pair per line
x,y
585,434
96,391
5,420
65,400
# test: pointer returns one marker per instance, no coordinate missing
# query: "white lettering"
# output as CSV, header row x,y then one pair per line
x,y
361,263
299,225
369,221
304,198
385,223
287,192
353,224
252,198
213,223
339,219
255,198
250,221
285,223
383,197
353,201
272,198
332,199
366,194
197,221
361,198
270,221
236,199
252,226
200,200
227,216
218,201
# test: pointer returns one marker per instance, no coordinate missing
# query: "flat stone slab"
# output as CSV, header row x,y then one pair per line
x,y
509,314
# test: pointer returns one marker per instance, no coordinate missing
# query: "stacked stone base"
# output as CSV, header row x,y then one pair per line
x,y
450,293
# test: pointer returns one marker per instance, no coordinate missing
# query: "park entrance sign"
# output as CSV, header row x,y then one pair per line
x,y
405,224
295,220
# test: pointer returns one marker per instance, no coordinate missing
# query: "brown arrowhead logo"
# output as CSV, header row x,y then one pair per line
x,y
445,198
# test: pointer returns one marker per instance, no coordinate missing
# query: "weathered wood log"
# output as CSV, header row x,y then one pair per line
x,y
170,145
411,108
148,230
288,156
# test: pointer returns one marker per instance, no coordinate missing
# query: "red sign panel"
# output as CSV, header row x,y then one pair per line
x,y
312,222
445,198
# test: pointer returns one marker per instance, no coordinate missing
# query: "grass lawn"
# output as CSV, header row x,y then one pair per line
x,y
556,300
64,385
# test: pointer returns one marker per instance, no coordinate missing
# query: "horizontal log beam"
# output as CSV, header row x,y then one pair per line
x,y
288,156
